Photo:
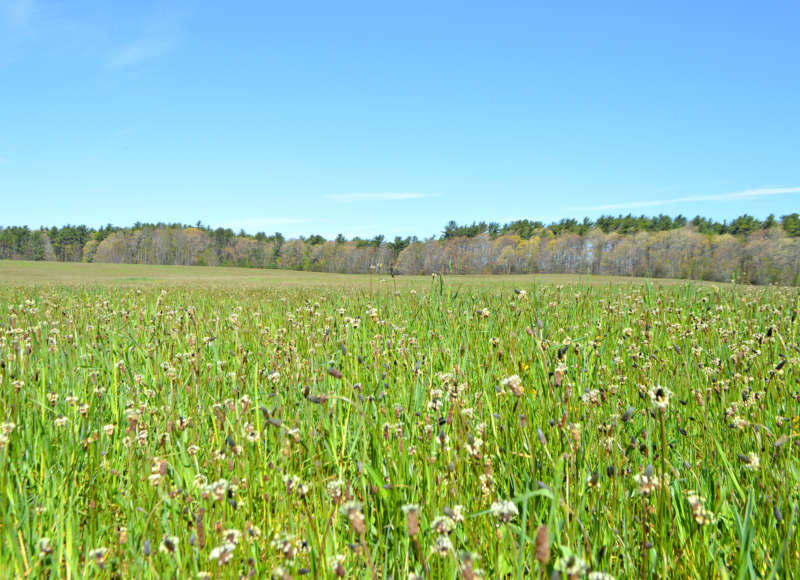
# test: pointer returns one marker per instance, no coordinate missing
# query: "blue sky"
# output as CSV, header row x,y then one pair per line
x,y
377,117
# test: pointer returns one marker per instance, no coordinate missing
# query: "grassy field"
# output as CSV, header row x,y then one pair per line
x,y
163,422
20,273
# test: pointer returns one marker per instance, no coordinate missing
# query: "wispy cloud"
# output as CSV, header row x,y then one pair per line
x,y
745,194
160,33
140,50
259,223
18,13
352,197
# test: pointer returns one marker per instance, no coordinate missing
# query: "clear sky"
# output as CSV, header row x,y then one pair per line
x,y
395,117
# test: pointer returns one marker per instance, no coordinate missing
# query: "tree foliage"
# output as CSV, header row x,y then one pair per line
x,y
749,249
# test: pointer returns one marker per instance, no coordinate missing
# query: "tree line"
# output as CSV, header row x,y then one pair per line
x,y
746,248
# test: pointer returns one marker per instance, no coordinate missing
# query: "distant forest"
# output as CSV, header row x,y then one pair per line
x,y
747,249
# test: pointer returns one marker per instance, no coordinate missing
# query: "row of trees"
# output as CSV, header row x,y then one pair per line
x,y
759,252
628,224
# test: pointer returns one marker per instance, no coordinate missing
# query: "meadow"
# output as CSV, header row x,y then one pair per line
x,y
160,422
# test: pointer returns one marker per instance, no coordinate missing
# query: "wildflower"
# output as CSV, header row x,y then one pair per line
x,y
98,555
751,461
467,560
442,546
45,547
335,564
192,449
738,423
515,384
701,515
443,524
108,429
168,545
504,511
575,431
647,481
487,483
335,489
253,533
473,445
599,576
660,398
245,403
60,421
574,567
219,489
222,554
591,397
352,510
284,544
231,536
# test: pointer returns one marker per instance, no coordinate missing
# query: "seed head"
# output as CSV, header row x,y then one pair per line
x,y
542,545
504,511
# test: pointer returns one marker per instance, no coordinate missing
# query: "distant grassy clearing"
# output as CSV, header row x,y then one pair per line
x,y
16,273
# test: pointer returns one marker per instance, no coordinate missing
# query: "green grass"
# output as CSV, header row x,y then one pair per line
x,y
21,273
251,379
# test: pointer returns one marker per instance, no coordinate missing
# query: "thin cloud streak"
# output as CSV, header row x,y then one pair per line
x,y
746,194
353,197
141,50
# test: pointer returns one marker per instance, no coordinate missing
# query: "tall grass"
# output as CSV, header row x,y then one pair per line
x,y
571,430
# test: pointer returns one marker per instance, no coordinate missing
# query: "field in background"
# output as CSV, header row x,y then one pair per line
x,y
188,422
15,273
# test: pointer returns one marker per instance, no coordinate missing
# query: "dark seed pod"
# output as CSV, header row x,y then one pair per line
x,y
542,545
